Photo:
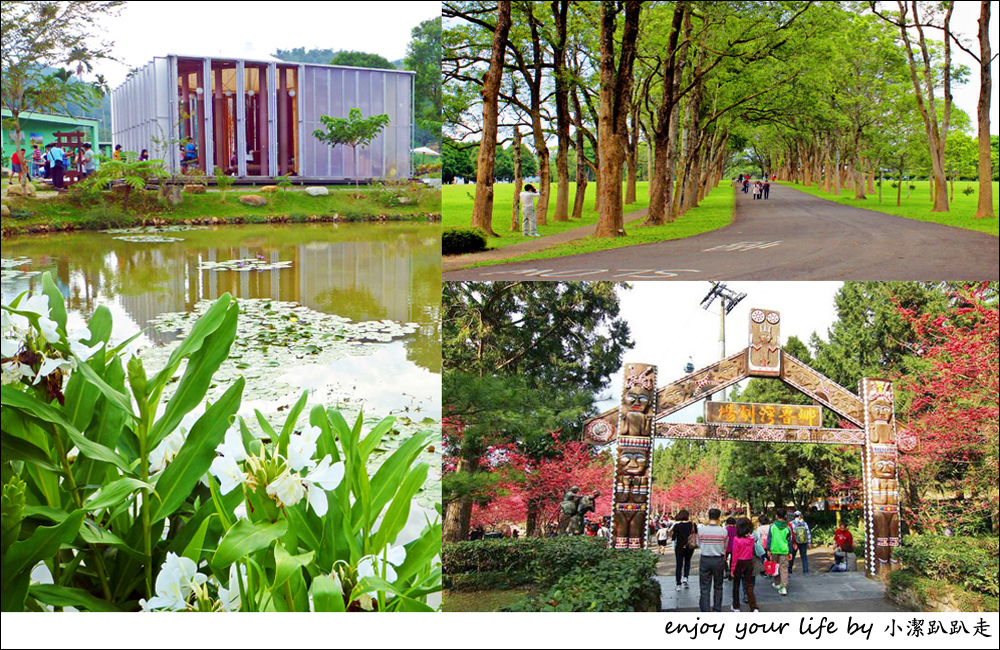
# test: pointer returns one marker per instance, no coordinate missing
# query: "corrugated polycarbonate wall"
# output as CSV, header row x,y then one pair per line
x,y
140,112
334,92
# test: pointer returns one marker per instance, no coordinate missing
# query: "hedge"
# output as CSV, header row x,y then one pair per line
x,y
459,241
502,563
620,583
966,562
914,591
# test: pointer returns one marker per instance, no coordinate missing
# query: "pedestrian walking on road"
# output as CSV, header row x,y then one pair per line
x,y
803,538
767,189
741,566
781,548
683,533
712,564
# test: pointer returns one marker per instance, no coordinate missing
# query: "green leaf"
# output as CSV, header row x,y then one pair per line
x,y
373,439
373,583
14,448
68,597
92,534
197,378
410,605
290,421
196,546
399,510
57,309
210,321
42,544
327,444
105,428
245,538
121,400
47,413
114,493
266,427
387,478
420,552
286,565
196,455
81,395
328,596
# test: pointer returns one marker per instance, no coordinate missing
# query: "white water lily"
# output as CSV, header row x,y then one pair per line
x,y
301,448
174,585
77,347
228,472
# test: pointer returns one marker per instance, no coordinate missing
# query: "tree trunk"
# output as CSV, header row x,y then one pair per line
x,y
457,516
632,158
482,211
616,91
985,210
531,522
560,9
581,161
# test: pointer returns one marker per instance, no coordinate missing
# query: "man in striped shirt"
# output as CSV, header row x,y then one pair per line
x,y
712,565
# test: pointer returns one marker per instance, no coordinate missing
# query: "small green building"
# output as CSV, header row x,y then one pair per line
x,y
38,128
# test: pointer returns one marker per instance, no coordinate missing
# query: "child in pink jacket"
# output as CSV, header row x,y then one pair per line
x,y
742,563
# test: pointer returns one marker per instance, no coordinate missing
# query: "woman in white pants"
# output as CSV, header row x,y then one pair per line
x,y
528,220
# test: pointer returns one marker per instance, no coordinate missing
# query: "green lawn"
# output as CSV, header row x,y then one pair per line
x,y
714,212
296,206
458,200
919,205
483,601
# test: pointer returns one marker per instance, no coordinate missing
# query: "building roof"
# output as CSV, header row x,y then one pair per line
x,y
49,117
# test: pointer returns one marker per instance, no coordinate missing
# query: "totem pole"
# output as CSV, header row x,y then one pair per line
x,y
765,343
632,467
881,485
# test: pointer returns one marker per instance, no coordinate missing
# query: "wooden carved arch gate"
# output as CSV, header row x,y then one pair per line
x,y
641,417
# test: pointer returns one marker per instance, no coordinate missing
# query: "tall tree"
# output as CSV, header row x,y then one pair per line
x,y
615,98
37,36
482,211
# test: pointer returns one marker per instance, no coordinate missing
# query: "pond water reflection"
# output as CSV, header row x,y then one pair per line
x,y
362,272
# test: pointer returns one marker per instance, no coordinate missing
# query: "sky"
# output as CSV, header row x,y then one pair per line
x,y
669,326
254,30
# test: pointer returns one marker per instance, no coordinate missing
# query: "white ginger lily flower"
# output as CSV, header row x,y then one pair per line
x,y
380,565
9,348
166,451
290,487
77,347
49,366
302,447
228,472
232,446
49,329
174,585
230,598
37,303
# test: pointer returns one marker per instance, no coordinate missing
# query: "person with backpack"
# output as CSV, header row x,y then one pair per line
x,y
760,541
780,548
684,535
803,538
741,566
712,563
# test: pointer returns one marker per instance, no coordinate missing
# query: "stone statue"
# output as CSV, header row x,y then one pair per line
x,y
573,509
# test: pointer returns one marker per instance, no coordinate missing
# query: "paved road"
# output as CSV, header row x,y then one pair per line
x,y
791,236
817,591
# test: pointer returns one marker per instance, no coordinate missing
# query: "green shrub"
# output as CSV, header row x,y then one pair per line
x,y
968,190
914,591
514,562
458,241
967,562
621,583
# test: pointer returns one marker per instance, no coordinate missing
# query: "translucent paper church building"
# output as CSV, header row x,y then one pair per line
x,y
255,119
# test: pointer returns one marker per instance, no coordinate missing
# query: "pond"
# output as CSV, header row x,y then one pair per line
x,y
350,312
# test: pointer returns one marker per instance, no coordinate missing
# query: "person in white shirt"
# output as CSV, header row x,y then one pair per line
x,y
528,219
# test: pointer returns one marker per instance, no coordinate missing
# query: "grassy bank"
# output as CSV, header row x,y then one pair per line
x,y
918,205
458,200
71,212
714,212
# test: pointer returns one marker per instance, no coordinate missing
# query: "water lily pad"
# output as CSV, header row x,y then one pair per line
x,y
12,269
153,230
244,266
148,239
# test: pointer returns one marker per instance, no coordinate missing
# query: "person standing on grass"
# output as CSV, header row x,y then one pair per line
x,y
803,538
712,564
56,155
681,533
781,548
741,566
528,217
